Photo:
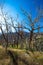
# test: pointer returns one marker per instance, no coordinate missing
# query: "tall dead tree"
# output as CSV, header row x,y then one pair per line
x,y
5,24
18,30
33,24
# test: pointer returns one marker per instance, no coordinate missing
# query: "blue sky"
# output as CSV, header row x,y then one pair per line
x,y
28,5
31,6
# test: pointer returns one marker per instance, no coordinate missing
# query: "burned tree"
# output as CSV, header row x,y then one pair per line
x,y
4,23
18,30
33,25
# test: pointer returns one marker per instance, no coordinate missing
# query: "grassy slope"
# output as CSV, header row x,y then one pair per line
x,y
24,58
28,57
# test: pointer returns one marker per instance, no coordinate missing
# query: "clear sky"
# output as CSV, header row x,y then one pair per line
x,y
14,7
28,5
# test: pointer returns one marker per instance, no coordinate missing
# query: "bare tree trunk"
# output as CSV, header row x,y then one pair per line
x,y
30,42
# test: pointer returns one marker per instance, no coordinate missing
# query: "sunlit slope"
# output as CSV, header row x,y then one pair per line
x,y
22,57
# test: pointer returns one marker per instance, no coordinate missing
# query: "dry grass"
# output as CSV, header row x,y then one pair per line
x,y
4,58
35,58
24,58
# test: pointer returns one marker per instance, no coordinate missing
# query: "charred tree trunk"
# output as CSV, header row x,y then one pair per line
x,y
5,40
30,41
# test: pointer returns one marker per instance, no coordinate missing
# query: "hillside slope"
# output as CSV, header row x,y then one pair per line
x,y
22,57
